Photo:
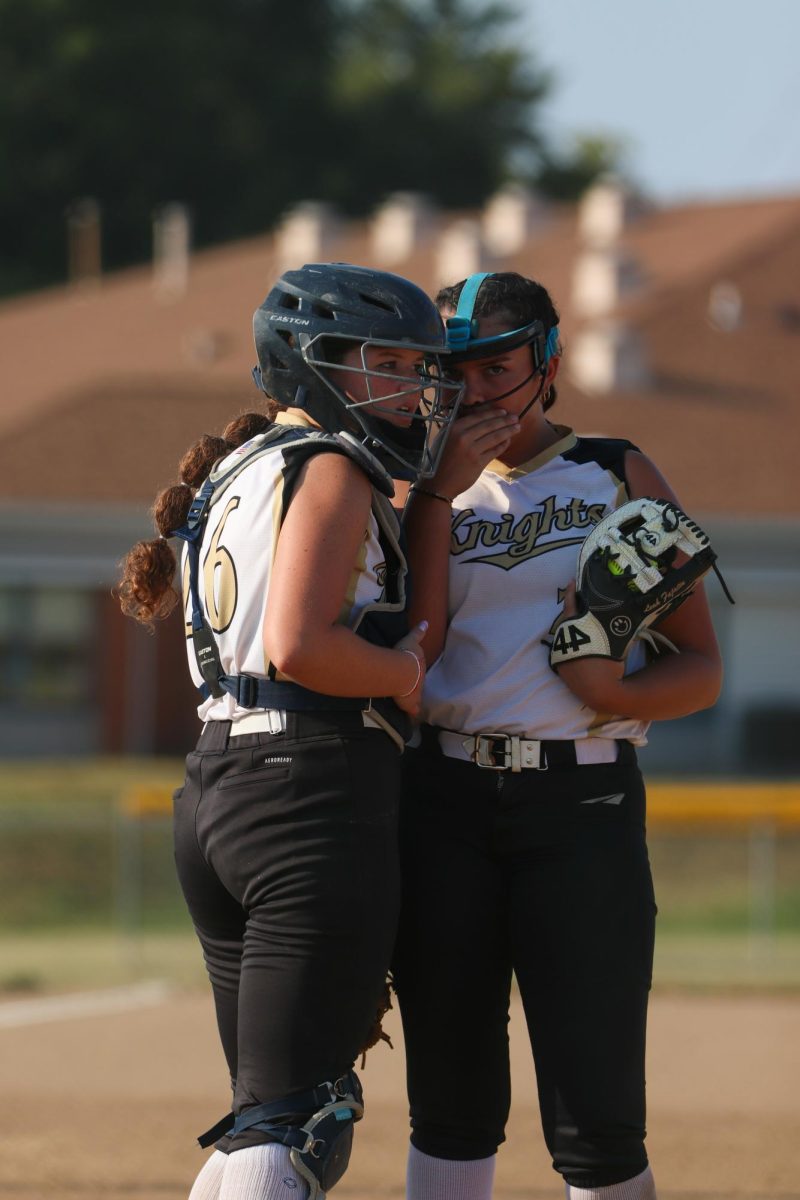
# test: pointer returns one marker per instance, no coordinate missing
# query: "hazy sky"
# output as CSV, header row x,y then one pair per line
x,y
705,93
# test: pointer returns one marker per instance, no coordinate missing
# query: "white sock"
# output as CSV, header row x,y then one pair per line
x,y
262,1173
641,1187
209,1181
430,1178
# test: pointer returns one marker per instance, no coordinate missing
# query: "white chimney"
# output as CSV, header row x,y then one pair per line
x,y
604,212
607,357
460,252
510,218
402,224
306,234
602,278
84,264
725,307
172,237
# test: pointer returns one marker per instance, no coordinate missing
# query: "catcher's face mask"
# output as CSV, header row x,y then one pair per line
x,y
397,392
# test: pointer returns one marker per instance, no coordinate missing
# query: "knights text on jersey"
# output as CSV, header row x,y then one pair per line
x,y
515,538
236,556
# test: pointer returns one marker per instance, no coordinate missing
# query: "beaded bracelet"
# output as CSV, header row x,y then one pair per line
x,y
404,650
427,492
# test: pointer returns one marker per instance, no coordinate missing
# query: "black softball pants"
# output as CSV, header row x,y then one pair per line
x,y
544,874
286,849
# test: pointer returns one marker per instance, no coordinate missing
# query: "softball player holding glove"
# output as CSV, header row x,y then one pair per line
x,y
523,815
294,598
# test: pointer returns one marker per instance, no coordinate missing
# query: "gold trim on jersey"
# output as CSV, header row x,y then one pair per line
x,y
359,567
622,492
566,442
295,417
277,511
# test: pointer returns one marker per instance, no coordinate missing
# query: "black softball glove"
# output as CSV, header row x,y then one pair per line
x,y
627,579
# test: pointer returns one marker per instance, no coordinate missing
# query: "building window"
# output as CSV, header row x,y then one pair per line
x,y
45,648
769,742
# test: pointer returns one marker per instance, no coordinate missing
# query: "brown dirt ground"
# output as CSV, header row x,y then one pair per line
x,y
109,1106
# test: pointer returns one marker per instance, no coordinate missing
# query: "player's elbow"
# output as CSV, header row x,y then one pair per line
x,y
706,683
291,654
713,687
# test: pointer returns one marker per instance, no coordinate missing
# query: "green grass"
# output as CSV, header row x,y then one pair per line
x,y
71,853
80,786
85,959
89,894
740,962
45,962
726,883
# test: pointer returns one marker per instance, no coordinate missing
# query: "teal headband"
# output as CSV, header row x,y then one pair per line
x,y
462,329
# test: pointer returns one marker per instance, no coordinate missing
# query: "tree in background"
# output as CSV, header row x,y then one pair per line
x,y
241,108
566,176
222,104
438,98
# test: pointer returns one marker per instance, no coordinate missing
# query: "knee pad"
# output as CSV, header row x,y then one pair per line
x,y
323,1156
316,1125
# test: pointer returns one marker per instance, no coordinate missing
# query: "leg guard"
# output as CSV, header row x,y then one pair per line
x,y
316,1125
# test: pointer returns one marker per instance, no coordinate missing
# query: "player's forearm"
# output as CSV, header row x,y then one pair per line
x,y
338,662
673,686
427,525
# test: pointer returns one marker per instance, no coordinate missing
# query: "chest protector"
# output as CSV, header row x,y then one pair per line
x,y
379,627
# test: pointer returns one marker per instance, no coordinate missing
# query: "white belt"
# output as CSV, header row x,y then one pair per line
x,y
265,720
506,751
273,720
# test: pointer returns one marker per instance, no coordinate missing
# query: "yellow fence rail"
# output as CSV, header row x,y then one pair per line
x,y
669,804
717,805
759,810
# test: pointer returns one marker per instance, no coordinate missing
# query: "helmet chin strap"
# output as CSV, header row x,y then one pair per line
x,y
542,371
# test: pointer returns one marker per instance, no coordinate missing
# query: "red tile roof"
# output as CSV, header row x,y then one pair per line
x,y
105,388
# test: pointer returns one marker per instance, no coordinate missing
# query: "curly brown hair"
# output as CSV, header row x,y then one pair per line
x,y
146,590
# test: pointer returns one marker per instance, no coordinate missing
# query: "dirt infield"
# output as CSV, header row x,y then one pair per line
x,y
107,1105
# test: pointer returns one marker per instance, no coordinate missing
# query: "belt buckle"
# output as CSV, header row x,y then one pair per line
x,y
486,750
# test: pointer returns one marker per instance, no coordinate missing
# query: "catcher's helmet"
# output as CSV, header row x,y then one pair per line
x,y
314,315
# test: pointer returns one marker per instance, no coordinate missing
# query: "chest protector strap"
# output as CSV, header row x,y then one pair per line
x,y
250,691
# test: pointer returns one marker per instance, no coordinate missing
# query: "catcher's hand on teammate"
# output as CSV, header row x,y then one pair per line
x,y
628,578
411,700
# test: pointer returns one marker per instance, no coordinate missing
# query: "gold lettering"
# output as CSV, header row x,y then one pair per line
x,y
471,540
219,577
548,511
524,535
493,532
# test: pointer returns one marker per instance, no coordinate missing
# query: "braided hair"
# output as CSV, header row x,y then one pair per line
x,y
146,590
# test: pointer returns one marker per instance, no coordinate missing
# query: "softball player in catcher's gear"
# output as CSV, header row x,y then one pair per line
x,y
302,333
523,812
285,828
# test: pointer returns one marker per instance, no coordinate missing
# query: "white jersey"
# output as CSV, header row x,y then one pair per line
x,y
236,556
514,547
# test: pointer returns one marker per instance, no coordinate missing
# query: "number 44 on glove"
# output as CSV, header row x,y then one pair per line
x,y
627,579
